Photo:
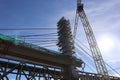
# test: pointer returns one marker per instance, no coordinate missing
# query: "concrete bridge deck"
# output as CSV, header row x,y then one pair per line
x,y
20,50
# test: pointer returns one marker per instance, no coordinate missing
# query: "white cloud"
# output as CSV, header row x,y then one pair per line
x,y
104,16
70,14
101,8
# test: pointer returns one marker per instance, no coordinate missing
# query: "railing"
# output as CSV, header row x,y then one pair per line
x,y
93,76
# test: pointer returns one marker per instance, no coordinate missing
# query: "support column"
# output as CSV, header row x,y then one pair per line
x,y
66,46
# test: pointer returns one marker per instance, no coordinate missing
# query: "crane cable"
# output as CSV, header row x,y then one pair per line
x,y
28,29
105,62
46,34
90,59
84,61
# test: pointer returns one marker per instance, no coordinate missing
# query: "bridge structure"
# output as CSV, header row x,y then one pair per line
x,y
20,60
24,61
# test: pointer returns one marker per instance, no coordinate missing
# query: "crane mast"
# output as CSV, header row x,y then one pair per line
x,y
98,60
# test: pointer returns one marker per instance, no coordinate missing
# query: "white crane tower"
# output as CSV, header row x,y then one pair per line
x,y
96,54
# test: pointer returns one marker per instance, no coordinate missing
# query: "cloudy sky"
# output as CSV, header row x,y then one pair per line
x,y
103,15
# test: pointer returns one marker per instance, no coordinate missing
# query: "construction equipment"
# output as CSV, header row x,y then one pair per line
x,y
65,43
98,60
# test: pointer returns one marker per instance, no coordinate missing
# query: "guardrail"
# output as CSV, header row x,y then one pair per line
x,y
94,76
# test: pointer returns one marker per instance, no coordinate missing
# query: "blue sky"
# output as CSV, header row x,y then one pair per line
x,y
103,15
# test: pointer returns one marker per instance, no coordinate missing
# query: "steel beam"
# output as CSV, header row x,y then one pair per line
x,y
29,71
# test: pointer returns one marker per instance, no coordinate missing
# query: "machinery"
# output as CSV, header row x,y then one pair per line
x,y
96,54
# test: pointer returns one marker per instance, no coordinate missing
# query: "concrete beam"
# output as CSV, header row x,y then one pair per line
x,y
31,55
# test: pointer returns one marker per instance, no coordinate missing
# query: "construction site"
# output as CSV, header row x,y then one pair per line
x,y
20,59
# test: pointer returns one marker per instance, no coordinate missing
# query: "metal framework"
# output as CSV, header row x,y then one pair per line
x,y
19,70
98,60
93,76
28,71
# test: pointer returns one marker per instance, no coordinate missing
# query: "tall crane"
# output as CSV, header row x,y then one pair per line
x,y
98,59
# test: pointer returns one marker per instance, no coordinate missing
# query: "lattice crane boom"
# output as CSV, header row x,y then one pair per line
x,y
98,60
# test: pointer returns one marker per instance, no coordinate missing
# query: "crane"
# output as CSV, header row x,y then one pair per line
x,y
96,54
